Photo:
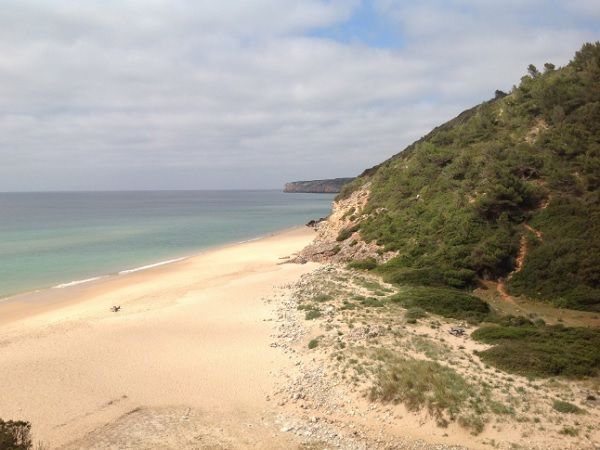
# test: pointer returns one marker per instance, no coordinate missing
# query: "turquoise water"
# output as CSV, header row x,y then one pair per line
x,y
49,239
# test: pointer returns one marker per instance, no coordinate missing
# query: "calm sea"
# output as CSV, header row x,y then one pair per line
x,y
53,239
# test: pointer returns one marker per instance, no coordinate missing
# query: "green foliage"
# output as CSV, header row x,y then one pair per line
x,y
346,233
371,302
312,314
453,203
569,431
15,435
363,264
566,407
313,343
541,350
444,302
323,298
415,313
566,266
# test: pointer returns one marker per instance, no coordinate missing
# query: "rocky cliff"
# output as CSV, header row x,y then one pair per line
x,y
318,186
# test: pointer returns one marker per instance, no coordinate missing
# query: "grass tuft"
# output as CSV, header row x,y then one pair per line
x,y
423,384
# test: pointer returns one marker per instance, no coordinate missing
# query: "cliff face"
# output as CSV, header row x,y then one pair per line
x,y
317,186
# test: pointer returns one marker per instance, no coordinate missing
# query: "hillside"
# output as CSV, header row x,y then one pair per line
x,y
506,191
317,186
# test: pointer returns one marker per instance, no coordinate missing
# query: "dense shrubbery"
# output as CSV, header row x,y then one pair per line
x,y
542,350
453,204
444,302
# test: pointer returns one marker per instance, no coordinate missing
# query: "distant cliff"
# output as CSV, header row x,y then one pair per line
x,y
317,186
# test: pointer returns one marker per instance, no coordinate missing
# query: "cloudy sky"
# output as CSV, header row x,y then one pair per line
x,y
157,94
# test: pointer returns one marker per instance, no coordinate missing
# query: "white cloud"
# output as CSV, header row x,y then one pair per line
x,y
178,94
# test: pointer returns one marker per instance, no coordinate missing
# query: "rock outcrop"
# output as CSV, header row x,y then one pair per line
x,y
338,239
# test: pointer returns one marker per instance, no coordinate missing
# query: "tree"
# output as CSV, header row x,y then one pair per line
x,y
532,71
549,67
499,94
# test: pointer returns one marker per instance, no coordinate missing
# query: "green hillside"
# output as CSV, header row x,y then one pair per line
x,y
516,175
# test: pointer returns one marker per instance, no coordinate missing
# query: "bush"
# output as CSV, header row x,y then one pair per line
x,y
450,303
322,298
566,407
313,343
365,264
415,313
15,435
312,314
542,350
346,233
569,431
372,302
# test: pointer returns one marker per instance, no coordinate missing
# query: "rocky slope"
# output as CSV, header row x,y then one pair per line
x,y
346,214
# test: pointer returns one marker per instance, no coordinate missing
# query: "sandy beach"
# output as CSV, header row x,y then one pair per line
x,y
191,344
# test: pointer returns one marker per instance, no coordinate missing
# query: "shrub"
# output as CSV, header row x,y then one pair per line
x,y
312,314
322,298
313,343
365,264
445,302
542,350
569,431
566,407
372,302
348,305
346,233
415,313
15,435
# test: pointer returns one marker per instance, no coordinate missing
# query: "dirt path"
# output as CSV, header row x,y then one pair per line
x,y
521,256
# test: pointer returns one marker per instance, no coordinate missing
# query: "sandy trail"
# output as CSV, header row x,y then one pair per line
x,y
191,336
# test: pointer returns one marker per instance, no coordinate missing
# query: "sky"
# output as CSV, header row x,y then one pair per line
x,y
250,94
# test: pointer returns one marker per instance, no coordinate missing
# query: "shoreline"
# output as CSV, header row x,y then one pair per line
x,y
48,298
192,340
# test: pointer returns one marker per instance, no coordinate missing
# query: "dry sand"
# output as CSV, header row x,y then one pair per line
x,y
189,348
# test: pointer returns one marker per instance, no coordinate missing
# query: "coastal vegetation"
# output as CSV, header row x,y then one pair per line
x,y
514,177
499,206
450,303
542,350
506,371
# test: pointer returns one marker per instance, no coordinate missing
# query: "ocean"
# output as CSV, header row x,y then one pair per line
x,y
59,239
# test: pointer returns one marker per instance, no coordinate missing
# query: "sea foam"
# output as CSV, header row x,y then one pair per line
x,y
150,266
75,283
